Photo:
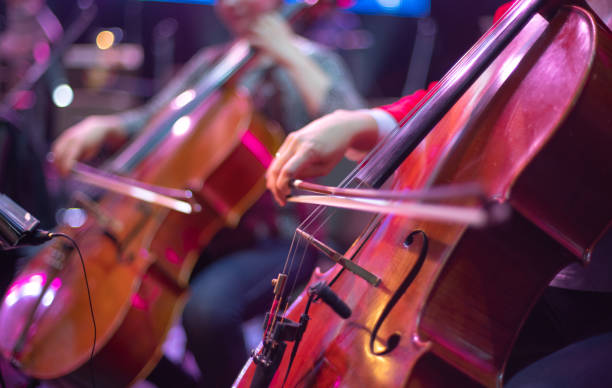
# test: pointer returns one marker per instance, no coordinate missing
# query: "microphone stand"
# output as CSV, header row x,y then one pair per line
x,y
273,349
284,330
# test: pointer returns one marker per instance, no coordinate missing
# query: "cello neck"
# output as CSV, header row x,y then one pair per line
x,y
448,91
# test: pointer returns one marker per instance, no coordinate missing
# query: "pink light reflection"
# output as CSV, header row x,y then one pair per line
x,y
139,302
24,100
254,145
41,52
172,256
28,286
337,382
56,284
51,291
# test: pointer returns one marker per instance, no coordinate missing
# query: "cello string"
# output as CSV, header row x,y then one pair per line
x,y
364,166
269,327
289,262
319,212
326,213
323,212
291,249
420,105
448,78
403,124
300,244
455,83
344,183
349,179
298,271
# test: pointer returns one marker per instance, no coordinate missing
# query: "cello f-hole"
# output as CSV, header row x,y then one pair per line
x,y
395,338
409,240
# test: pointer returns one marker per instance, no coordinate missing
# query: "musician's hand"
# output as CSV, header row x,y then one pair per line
x,y
272,34
84,140
315,149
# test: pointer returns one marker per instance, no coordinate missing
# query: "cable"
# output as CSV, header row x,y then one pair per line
x,y
2,383
93,319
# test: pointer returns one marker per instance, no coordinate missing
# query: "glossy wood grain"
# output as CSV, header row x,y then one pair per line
x,y
534,132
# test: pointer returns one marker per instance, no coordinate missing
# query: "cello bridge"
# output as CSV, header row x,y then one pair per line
x,y
340,259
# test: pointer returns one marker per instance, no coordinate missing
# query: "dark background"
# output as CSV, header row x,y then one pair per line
x,y
377,48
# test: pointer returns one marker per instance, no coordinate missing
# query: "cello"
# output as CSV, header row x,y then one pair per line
x,y
169,192
525,115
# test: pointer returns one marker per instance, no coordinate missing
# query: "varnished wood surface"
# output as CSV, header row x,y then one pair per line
x,y
532,131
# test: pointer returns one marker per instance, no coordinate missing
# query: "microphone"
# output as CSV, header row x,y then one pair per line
x,y
18,227
330,298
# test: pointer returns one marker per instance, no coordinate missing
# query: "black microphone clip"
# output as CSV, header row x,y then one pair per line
x,y
18,227
330,298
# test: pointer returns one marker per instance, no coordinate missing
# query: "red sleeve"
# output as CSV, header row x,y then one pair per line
x,y
501,10
404,105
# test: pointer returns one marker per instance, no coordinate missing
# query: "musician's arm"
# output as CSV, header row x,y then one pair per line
x,y
315,149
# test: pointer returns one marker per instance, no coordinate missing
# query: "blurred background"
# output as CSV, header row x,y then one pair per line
x,y
63,60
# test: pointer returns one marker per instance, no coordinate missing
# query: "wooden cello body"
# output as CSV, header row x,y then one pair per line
x,y
534,131
138,256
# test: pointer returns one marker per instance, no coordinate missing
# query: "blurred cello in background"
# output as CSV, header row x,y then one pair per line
x,y
196,167
525,114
